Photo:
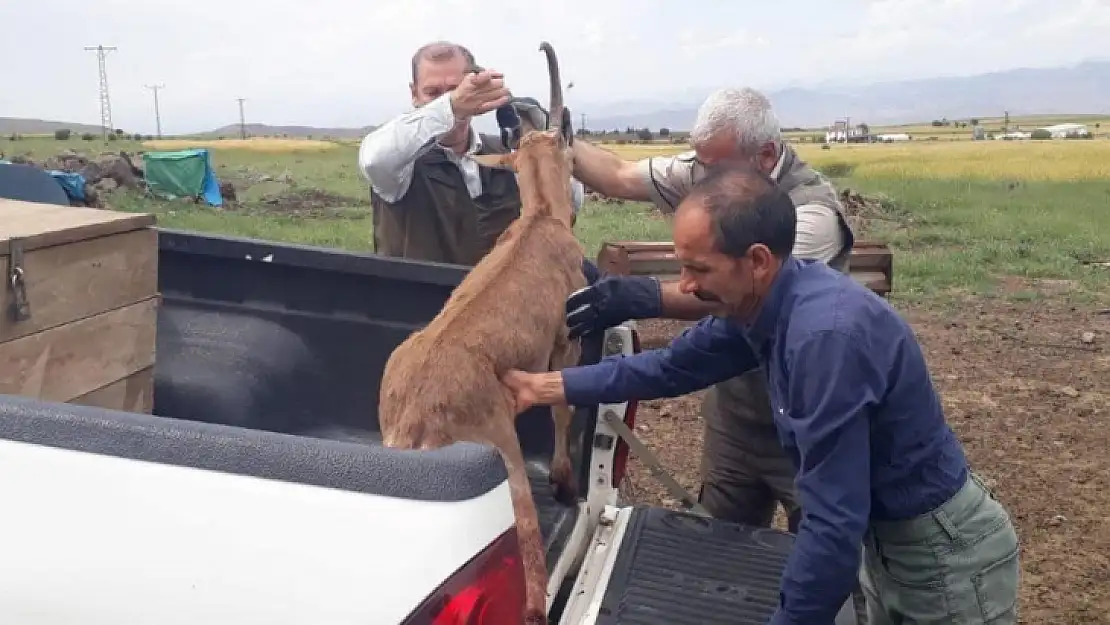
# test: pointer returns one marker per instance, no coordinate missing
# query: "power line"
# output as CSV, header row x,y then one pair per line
x,y
105,102
157,114
242,120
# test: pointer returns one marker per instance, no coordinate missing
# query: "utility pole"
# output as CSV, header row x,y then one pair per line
x,y
583,126
157,115
105,102
242,120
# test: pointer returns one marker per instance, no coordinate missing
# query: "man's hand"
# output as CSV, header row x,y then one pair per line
x,y
534,389
612,300
478,94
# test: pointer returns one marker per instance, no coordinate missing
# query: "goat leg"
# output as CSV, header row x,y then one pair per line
x,y
565,354
527,519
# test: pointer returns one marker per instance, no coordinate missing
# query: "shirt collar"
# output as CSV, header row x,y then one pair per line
x,y
761,330
778,165
475,145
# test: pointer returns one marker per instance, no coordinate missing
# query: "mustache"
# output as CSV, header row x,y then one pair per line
x,y
706,296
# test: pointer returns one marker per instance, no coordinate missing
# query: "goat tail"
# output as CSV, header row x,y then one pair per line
x,y
555,107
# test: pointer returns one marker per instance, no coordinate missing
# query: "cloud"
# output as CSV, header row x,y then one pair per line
x,y
345,62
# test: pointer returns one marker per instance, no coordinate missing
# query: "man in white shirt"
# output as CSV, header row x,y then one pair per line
x,y
430,201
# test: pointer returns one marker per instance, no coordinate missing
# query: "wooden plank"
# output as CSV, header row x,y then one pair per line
x,y
77,358
69,282
135,393
44,225
871,263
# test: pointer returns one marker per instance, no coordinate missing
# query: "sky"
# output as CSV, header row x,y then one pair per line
x,y
343,63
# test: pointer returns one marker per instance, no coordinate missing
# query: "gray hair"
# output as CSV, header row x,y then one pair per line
x,y
745,113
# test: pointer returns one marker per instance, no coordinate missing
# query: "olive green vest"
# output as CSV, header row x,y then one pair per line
x,y
437,220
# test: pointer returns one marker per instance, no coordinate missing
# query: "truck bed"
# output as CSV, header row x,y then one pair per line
x,y
293,340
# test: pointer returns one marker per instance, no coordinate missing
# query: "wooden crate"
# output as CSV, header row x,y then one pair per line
x,y
870,263
79,305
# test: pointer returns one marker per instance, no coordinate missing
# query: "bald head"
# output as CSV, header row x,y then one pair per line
x,y
744,207
440,52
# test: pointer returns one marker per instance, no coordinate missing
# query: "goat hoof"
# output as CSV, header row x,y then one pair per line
x,y
565,490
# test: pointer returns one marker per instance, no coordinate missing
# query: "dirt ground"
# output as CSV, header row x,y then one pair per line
x,y
1027,388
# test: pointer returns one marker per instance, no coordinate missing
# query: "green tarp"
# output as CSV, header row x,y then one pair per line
x,y
184,173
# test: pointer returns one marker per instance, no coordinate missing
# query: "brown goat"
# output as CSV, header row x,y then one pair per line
x,y
442,384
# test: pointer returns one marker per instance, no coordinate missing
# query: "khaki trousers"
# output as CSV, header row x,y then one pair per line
x,y
957,565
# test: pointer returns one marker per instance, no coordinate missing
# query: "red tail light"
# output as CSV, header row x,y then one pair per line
x,y
620,456
488,590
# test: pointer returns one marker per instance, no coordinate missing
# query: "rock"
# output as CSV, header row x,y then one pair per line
x,y
119,169
106,185
227,190
1087,338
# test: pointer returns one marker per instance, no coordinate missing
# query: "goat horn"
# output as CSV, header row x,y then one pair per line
x,y
555,107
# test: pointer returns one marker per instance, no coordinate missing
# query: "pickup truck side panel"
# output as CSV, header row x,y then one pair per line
x,y
147,519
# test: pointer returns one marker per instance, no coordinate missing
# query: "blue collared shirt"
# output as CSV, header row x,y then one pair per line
x,y
853,404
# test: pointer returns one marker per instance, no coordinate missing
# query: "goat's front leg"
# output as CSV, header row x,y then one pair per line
x,y
565,354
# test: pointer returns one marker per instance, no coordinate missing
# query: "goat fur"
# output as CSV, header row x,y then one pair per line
x,y
441,385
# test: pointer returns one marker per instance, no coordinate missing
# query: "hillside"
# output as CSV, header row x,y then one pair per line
x,y
1084,88
300,132
10,125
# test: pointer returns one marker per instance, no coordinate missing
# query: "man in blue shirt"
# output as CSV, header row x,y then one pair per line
x,y
854,406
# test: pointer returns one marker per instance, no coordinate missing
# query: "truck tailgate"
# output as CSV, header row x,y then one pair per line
x,y
652,566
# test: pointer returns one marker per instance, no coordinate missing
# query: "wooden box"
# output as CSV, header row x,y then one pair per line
x,y
79,305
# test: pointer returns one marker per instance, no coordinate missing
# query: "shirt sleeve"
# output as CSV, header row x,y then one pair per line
x,y
578,194
669,178
818,234
832,387
712,351
387,155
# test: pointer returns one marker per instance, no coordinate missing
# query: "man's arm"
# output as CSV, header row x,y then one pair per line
x,y
818,235
712,351
833,387
607,173
387,155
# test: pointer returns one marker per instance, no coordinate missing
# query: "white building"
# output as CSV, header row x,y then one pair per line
x,y
888,138
1061,131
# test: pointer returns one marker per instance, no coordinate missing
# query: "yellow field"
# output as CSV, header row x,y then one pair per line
x,y
1060,160
256,144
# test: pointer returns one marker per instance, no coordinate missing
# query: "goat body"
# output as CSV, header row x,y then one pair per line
x,y
442,384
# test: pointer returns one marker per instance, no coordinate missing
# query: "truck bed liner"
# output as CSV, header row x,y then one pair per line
x,y
676,568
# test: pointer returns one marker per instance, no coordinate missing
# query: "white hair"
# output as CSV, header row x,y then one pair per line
x,y
745,113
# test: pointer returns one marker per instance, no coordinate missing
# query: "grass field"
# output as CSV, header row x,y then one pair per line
x,y
993,244
964,217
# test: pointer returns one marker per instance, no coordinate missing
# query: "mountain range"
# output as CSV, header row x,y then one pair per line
x,y
1082,88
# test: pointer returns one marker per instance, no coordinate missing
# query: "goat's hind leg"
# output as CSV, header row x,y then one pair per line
x,y
565,354
504,438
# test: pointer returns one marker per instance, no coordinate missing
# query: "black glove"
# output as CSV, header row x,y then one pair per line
x,y
590,270
611,301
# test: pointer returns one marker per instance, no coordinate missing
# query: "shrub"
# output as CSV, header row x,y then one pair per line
x,y
62,134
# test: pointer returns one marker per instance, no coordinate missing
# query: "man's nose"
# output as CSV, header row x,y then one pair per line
x,y
686,284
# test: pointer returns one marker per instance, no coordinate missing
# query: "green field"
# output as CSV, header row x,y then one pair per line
x,y
962,217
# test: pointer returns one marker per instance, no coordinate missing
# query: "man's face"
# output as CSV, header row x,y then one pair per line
x,y
724,148
703,271
435,78
737,284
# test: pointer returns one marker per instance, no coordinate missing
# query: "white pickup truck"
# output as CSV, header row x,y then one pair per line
x,y
261,495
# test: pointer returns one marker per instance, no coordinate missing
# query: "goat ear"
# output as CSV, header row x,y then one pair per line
x,y
498,161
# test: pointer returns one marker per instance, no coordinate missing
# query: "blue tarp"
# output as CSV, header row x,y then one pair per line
x,y
74,184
